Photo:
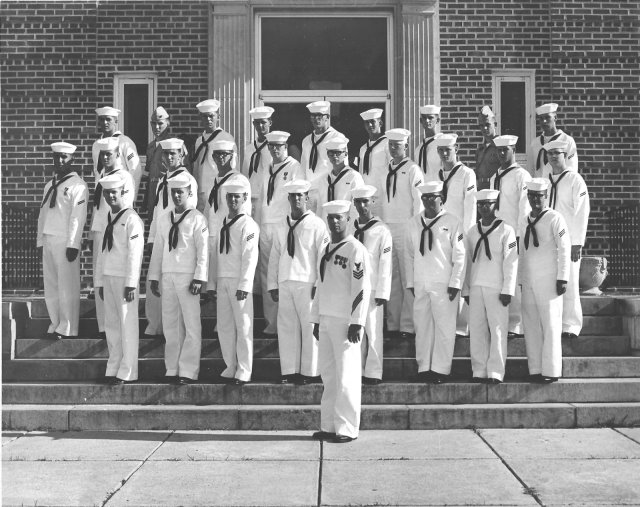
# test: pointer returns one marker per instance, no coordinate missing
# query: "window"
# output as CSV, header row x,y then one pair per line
x,y
342,58
135,96
514,100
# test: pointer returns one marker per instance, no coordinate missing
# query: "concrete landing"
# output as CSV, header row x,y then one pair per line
x,y
589,467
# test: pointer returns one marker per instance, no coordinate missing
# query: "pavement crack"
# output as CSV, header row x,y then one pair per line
x,y
320,473
527,489
625,435
126,479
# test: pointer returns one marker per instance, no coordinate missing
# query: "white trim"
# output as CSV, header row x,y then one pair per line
x,y
148,78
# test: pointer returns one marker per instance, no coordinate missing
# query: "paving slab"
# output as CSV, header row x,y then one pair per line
x,y
633,433
221,483
421,482
582,482
411,444
84,445
580,443
61,483
239,446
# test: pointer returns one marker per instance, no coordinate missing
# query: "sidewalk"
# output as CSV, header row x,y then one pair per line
x,y
452,467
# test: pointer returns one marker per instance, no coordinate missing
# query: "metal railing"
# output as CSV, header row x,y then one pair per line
x,y
21,262
624,246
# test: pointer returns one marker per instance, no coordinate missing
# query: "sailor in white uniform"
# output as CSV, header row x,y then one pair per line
x,y
545,256
108,157
117,279
63,213
570,197
173,153
235,258
435,263
128,160
256,158
376,237
513,208
492,264
341,179
537,158
314,160
400,200
293,268
426,155
339,313
204,166
373,158
178,272
273,202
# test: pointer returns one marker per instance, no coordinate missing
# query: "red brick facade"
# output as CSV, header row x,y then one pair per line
x,y
58,61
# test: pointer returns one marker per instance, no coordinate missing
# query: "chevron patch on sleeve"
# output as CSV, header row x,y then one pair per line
x,y
561,233
358,271
386,250
583,193
81,202
130,156
357,301
205,229
134,237
471,188
250,236
460,237
418,183
512,245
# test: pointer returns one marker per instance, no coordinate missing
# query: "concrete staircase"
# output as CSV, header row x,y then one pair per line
x,y
53,384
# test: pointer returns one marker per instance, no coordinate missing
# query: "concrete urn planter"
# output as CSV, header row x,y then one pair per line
x,y
593,271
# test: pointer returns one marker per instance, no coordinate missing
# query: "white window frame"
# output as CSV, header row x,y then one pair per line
x,y
119,80
305,96
528,77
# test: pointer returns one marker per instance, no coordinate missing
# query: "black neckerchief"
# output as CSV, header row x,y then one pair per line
x,y
107,239
484,238
205,145
427,228
531,229
271,186
53,190
254,163
163,187
367,154
359,233
445,186
422,157
291,240
553,197
326,257
542,154
313,156
331,189
393,173
173,232
213,195
225,235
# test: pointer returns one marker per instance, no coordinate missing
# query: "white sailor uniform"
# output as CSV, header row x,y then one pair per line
x,y
60,227
180,255
119,267
128,160
435,260
216,208
569,196
400,200
99,222
162,204
204,167
426,156
513,208
293,268
338,187
492,264
545,255
537,161
376,237
341,300
235,258
255,162
373,160
315,161
274,207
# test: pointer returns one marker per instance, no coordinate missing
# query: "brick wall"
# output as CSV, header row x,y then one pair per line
x,y
59,58
586,58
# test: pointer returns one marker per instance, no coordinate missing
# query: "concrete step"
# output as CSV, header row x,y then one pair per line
x,y
268,347
34,328
259,393
24,370
591,305
307,417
